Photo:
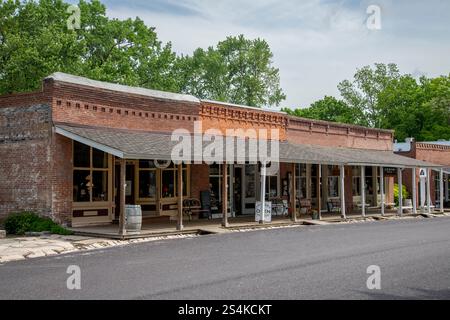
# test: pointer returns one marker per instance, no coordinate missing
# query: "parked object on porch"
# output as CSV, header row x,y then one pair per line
x,y
267,215
334,205
305,206
279,207
193,207
2,234
407,205
205,197
315,215
133,219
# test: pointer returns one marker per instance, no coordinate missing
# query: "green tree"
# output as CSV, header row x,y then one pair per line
x,y
35,42
329,109
237,70
362,93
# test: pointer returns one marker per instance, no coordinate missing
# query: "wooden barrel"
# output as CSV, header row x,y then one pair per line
x,y
133,219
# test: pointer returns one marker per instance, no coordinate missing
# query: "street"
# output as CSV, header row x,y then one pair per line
x,y
307,262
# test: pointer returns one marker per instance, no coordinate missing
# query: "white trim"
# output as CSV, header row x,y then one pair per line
x,y
89,142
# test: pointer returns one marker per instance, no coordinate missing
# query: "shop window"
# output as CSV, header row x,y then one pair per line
x,y
333,181
271,187
81,155
81,186
147,184
99,185
90,174
168,183
300,175
314,174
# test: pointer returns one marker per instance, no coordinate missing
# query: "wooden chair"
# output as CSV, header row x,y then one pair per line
x,y
334,205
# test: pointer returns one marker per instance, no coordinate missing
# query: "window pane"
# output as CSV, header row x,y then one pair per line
x,y
250,186
100,159
146,164
100,186
214,170
81,155
81,185
313,187
214,189
147,184
333,188
184,183
168,184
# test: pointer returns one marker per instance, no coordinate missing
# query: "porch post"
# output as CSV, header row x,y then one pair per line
x,y
344,215
180,198
363,191
441,190
428,190
414,191
319,191
263,191
224,195
400,191
122,229
382,189
294,194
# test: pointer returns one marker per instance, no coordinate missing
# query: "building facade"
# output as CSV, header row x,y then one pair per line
x,y
66,149
433,151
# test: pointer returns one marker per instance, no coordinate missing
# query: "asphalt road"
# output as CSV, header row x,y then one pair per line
x,y
311,262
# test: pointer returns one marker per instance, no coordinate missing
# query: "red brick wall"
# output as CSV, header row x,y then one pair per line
x,y
306,131
62,179
26,158
433,153
89,106
199,179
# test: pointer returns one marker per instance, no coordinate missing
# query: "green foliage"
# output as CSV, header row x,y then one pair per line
x,y
405,193
35,42
237,70
20,223
329,109
381,97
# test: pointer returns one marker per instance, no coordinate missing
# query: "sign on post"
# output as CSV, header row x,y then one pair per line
x,y
267,211
423,173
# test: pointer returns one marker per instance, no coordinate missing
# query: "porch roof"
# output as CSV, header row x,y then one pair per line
x,y
154,145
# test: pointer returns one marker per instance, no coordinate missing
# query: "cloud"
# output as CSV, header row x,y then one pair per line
x,y
316,43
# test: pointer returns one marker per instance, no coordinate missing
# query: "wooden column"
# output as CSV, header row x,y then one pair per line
x,y
122,229
382,190
428,190
294,194
319,191
363,191
342,178
400,191
224,196
180,197
414,190
441,190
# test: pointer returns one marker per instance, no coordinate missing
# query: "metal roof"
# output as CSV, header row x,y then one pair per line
x,y
64,77
153,145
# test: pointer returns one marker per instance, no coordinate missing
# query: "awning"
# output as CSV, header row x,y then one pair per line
x,y
158,146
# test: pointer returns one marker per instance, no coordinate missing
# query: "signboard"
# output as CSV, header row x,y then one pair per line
x,y
267,211
423,173
390,171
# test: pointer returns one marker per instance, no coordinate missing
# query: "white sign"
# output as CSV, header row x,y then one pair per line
x,y
267,211
423,173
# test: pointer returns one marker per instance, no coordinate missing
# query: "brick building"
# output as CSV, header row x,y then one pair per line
x,y
433,151
79,150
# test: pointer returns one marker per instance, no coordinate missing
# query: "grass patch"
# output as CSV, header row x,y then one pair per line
x,y
20,223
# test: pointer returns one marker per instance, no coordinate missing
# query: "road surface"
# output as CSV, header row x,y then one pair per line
x,y
308,262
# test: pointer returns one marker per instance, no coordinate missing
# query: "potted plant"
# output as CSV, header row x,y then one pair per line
x,y
315,215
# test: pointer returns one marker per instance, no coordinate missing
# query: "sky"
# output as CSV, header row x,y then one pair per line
x,y
316,43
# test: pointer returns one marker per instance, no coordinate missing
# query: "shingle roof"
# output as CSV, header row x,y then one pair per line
x,y
153,145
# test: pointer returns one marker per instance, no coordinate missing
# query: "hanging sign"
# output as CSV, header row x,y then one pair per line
x,y
423,173
267,211
389,171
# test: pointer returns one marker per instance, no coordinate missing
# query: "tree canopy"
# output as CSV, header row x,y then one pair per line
x,y
35,42
382,97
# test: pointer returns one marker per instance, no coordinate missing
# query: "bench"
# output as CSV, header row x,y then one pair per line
x,y
334,205
192,206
